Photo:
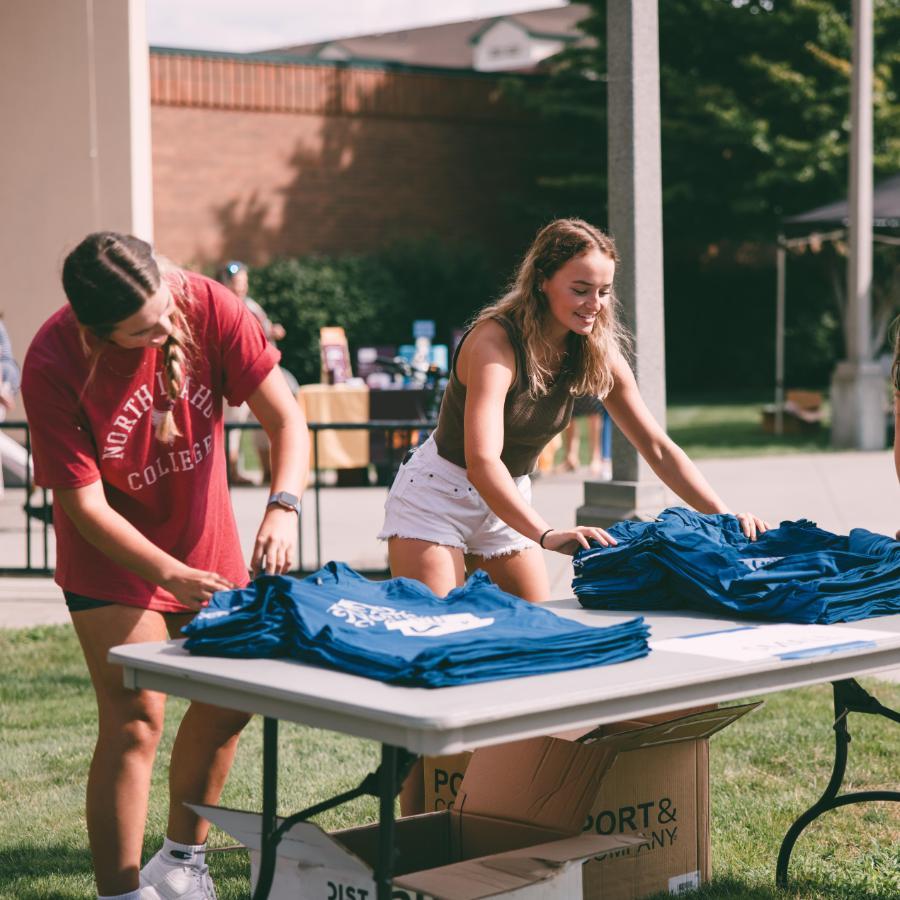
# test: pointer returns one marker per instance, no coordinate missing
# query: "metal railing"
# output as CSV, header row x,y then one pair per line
x,y
411,432
388,466
30,511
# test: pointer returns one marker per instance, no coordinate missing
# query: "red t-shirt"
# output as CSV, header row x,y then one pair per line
x,y
175,494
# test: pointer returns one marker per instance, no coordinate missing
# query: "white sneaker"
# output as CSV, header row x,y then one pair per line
x,y
160,880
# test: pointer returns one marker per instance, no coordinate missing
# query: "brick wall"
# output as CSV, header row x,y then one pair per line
x,y
256,160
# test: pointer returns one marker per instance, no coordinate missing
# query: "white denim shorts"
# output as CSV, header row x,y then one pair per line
x,y
431,499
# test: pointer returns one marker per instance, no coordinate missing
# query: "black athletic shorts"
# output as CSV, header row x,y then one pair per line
x,y
79,603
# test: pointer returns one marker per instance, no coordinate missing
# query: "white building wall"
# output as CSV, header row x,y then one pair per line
x,y
542,48
75,108
506,46
333,51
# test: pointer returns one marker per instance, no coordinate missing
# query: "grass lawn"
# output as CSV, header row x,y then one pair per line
x,y
766,769
710,426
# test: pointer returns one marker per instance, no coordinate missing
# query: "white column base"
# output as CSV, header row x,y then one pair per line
x,y
608,502
858,406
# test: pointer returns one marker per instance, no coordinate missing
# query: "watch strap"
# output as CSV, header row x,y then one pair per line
x,y
284,500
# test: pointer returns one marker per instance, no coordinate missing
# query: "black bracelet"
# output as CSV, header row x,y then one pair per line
x,y
541,541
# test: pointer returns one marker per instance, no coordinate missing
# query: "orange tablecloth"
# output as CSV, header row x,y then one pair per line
x,y
337,403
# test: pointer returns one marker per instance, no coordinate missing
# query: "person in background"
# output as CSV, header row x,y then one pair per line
x,y
234,275
124,388
9,373
462,500
599,430
9,388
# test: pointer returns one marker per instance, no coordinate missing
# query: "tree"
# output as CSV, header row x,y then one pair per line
x,y
755,107
755,101
374,297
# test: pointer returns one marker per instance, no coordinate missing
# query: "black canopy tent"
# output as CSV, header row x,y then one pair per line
x,y
885,209
828,222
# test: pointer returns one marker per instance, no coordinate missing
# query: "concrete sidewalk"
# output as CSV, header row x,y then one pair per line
x,y
838,491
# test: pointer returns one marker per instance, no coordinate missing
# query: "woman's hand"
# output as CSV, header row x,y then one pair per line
x,y
7,397
571,540
751,525
194,587
276,542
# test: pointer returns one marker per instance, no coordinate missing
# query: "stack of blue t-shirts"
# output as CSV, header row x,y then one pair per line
x,y
794,573
398,631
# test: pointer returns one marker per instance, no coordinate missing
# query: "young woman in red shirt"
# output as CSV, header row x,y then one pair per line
x,y
124,389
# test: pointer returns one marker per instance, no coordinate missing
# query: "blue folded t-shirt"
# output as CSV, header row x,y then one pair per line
x,y
794,573
400,632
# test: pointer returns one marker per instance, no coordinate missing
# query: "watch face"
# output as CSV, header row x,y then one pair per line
x,y
285,500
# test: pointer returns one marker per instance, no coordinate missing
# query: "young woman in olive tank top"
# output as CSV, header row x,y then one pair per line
x,y
463,497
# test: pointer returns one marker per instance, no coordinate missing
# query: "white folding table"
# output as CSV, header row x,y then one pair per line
x,y
412,721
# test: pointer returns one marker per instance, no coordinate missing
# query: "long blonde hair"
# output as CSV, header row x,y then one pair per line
x,y
107,278
588,367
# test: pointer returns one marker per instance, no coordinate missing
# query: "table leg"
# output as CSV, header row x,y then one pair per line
x,y
388,787
848,697
317,475
270,839
384,784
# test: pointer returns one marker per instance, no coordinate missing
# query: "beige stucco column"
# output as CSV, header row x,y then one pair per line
x,y
635,221
75,154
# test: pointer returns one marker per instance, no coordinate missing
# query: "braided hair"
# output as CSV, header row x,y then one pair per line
x,y
107,278
174,351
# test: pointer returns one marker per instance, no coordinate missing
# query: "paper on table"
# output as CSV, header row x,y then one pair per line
x,y
782,641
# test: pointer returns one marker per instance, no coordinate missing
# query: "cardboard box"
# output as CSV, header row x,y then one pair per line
x,y
515,835
657,786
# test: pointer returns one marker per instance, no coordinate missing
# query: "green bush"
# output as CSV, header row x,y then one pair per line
x,y
306,294
374,297
444,282
720,324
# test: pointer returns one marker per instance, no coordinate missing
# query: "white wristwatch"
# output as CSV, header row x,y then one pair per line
x,y
285,501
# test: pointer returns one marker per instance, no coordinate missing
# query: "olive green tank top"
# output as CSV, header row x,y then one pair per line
x,y
528,424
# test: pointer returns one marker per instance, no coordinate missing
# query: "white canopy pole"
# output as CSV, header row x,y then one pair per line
x,y
859,271
858,408
781,260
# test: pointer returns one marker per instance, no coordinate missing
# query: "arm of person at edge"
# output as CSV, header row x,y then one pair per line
x,y
487,366
897,442
285,425
109,531
665,457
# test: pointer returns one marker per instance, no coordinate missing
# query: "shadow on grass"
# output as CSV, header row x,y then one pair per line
x,y
61,872
29,872
801,889
734,887
728,435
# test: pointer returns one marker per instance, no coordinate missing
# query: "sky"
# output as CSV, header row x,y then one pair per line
x,y
243,25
